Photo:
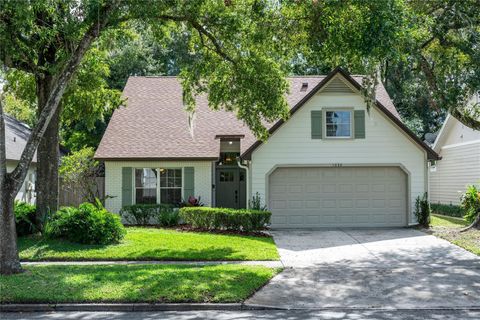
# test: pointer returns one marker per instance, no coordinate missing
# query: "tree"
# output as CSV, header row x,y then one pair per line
x,y
29,45
50,39
426,52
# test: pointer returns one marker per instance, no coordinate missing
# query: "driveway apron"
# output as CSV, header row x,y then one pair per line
x,y
371,268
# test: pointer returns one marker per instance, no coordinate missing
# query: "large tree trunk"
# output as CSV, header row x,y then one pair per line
x,y
9,260
47,157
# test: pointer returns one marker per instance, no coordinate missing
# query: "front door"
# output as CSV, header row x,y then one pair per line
x,y
230,187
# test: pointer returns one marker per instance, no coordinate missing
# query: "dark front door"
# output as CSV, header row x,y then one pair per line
x,y
230,187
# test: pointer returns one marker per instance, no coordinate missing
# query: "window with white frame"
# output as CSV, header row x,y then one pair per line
x,y
158,186
145,186
338,124
170,186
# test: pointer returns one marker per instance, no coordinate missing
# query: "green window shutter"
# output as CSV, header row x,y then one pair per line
x,y
188,182
316,124
127,187
359,124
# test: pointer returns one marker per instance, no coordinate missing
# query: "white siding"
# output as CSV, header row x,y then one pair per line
x,y
23,194
459,167
384,144
113,178
460,133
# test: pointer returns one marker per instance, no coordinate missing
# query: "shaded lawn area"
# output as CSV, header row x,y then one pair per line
x,y
153,244
133,283
448,228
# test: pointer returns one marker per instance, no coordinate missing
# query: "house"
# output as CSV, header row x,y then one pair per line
x,y
459,147
332,164
16,136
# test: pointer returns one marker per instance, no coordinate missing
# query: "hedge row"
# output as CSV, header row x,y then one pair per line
x,y
146,214
225,219
447,210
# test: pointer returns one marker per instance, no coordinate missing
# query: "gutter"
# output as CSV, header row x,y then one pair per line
x,y
247,181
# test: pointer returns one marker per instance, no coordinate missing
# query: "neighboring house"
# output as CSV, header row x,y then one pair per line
x,y
332,164
459,147
16,136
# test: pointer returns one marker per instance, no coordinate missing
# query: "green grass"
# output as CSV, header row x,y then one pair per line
x,y
133,283
448,228
154,244
446,221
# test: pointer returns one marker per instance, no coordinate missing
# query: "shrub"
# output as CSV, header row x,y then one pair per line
x,y
225,219
422,210
24,218
87,224
145,214
256,203
471,203
447,210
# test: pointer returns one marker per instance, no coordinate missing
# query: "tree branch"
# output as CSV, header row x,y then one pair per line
x,y
202,31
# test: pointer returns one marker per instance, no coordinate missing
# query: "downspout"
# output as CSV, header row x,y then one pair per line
x,y
247,174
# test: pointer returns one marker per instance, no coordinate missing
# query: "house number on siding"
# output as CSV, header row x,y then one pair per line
x,y
337,165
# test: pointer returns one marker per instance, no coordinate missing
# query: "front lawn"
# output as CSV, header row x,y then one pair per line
x,y
154,244
133,283
448,228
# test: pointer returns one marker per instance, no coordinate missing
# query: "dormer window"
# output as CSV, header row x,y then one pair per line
x,y
338,124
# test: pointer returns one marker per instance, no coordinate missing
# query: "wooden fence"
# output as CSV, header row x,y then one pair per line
x,y
71,196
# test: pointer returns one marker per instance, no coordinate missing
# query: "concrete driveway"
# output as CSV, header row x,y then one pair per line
x,y
371,268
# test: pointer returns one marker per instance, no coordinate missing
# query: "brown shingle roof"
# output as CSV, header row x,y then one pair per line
x,y
154,125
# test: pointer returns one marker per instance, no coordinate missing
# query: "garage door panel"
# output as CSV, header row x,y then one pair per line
x,y
336,197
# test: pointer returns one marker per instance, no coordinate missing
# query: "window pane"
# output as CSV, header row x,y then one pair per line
x,y
146,196
338,130
338,117
178,182
226,176
171,196
338,123
145,178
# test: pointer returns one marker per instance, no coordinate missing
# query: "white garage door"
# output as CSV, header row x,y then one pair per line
x,y
338,197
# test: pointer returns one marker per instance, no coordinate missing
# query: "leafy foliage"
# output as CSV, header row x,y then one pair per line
x,y
422,210
147,214
471,203
256,203
447,210
80,170
225,218
24,218
87,224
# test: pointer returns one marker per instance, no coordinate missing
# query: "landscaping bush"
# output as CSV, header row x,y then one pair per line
x,y
471,203
225,219
145,214
24,218
422,210
447,210
256,203
87,224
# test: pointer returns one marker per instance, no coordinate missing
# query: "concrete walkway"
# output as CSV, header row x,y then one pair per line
x,y
377,268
